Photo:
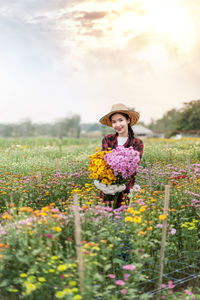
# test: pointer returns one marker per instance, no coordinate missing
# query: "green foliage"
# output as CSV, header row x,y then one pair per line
x,y
106,130
65,127
166,124
89,127
186,118
37,246
189,117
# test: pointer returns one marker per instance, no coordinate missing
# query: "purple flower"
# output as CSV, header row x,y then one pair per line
x,y
188,292
193,194
119,282
136,188
112,276
49,235
173,231
195,203
55,210
170,285
129,267
159,225
126,276
140,202
123,161
124,291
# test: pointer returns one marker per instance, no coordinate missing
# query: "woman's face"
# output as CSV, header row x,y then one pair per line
x,y
120,124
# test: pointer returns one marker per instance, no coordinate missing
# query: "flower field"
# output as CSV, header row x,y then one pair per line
x,y
121,247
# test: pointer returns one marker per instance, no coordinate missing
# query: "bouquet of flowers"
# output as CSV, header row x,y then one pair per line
x,y
111,169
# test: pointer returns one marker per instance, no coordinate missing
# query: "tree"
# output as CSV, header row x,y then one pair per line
x,y
189,117
167,124
69,126
75,126
88,127
7,130
25,128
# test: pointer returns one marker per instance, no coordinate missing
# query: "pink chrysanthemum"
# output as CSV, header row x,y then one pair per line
x,y
112,276
123,161
129,267
119,282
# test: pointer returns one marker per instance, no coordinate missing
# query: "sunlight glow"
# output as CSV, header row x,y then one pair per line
x,y
163,19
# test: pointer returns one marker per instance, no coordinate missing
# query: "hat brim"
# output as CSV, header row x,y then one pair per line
x,y
133,115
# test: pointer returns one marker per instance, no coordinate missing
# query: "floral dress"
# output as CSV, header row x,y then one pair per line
x,y
110,141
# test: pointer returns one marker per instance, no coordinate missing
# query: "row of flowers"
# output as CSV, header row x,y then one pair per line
x,y
48,233
120,247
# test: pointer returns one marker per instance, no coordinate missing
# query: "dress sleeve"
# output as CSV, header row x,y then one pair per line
x,y
104,143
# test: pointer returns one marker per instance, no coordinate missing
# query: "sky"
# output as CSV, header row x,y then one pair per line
x,y
65,57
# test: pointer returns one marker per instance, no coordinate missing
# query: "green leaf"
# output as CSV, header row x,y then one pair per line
x,y
110,287
99,277
22,259
117,261
107,267
16,280
4,283
36,252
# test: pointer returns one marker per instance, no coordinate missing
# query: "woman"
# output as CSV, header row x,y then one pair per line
x,y
120,118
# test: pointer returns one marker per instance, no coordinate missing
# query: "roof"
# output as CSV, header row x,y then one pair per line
x,y
139,129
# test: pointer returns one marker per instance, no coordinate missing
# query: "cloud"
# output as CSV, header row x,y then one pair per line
x,y
91,16
139,42
61,53
86,23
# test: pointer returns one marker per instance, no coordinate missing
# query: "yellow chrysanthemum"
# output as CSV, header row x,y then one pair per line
x,y
162,217
137,219
60,295
128,219
99,168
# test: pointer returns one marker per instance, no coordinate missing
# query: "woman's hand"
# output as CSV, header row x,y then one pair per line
x,y
109,189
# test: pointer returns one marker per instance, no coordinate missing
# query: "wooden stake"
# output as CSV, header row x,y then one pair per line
x,y
170,155
11,197
164,233
78,242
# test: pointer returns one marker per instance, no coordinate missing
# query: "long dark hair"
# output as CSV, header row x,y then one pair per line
x,y
131,134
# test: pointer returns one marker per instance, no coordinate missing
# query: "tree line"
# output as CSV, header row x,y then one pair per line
x,y
65,127
185,119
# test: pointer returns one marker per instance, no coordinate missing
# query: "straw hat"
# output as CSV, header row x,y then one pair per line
x,y
120,108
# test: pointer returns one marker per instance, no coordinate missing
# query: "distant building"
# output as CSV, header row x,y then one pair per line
x,y
91,134
177,134
142,131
